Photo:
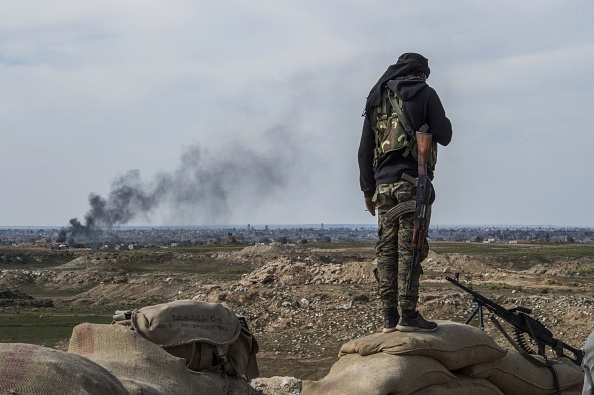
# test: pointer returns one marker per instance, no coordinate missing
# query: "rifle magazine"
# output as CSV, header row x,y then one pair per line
x,y
401,209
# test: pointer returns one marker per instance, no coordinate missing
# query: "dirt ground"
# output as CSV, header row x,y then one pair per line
x,y
303,303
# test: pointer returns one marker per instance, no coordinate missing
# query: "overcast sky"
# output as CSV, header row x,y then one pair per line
x,y
235,112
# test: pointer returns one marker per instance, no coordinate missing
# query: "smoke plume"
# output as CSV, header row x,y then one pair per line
x,y
207,186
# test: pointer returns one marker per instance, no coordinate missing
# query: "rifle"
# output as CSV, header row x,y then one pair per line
x,y
523,323
423,183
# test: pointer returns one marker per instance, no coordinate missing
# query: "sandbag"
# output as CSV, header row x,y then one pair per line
x,y
454,345
516,375
28,369
186,321
463,386
144,367
379,374
209,336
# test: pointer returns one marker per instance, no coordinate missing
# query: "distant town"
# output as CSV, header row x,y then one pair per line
x,y
129,238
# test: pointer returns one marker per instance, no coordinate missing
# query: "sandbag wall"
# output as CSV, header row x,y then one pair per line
x,y
107,359
457,359
146,368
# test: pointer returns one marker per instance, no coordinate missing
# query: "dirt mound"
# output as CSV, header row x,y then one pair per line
x,y
456,263
264,249
285,271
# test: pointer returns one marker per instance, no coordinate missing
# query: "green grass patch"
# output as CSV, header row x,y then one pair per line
x,y
340,244
325,259
46,330
205,248
552,250
496,286
582,271
31,258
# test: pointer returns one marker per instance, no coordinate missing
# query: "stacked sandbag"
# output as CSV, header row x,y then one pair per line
x,y
379,374
456,359
403,363
144,367
29,369
516,375
462,386
453,345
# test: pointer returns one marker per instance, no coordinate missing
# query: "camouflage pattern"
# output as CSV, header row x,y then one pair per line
x,y
394,248
390,134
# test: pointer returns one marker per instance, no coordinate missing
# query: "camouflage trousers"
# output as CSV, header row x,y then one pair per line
x,y
394,250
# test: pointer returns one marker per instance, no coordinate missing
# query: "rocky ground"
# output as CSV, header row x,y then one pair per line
x,y
303,303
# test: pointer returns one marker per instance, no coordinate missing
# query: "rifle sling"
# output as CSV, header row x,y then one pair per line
x,y
396,102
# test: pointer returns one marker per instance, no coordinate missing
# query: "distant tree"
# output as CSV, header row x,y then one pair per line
x,y
478,239
283,240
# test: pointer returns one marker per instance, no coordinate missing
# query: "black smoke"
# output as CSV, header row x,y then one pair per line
x,y
207,187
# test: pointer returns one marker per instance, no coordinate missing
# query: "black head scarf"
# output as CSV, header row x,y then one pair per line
x,y
407,63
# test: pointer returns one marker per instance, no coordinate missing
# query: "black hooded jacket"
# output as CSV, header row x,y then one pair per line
x,y
422,105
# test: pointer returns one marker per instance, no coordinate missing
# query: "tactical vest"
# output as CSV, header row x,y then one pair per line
x,y
393,131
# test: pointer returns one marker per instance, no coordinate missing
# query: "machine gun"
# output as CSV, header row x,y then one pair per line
x,y
523,324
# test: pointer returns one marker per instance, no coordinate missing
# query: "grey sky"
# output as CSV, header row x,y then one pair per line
x,y
90,91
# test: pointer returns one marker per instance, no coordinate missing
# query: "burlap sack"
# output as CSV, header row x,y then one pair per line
x,y
463,386
454,345
515,375
28,369
195,330
186,321
144,367
379,374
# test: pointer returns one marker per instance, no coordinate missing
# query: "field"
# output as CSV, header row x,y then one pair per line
x,y
301,302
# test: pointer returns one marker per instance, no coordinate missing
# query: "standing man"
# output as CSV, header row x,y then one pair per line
x,y
387,151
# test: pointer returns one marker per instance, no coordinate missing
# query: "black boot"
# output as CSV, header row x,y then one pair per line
x,y
391,318
413,321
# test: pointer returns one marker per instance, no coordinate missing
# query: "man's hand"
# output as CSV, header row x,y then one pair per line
x,y
370,206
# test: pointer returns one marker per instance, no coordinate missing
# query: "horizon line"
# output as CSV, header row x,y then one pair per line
x,y
319,224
